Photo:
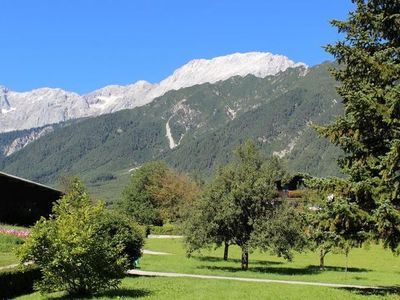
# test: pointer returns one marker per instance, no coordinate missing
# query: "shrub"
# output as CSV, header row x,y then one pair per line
x,y
82,248
165,229
17,281
122,230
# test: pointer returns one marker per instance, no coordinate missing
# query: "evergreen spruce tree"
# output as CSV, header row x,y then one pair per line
x,y
369,130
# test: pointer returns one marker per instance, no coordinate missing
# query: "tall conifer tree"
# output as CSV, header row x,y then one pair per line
x,y
369,130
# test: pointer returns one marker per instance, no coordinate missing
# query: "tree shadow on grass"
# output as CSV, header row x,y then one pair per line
x,y
379,291
110,294
218,259
125,292
308,270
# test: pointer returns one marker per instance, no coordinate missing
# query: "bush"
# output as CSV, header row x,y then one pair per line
x,y
18,281
83,248
122,230
165,229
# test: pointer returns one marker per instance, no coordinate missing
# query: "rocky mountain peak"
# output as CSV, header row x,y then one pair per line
x,y
45,106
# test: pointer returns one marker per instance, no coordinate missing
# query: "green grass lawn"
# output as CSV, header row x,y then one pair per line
x,y
7,258
374,266
185,288
7,245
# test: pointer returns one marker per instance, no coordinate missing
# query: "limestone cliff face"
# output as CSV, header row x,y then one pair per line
x,y
21,142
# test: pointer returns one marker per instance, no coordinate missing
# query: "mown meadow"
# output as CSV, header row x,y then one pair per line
x,y
372,266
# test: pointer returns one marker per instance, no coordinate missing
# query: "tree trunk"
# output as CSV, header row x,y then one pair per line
x,y
245,259
226,248
322,259
347,260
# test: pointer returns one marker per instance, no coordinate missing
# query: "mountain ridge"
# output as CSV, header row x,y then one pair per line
x,y
43,106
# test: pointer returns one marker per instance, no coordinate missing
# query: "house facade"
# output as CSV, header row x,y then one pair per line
x,y
23,202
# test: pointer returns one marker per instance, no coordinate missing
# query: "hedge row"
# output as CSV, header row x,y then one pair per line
x,y
18,281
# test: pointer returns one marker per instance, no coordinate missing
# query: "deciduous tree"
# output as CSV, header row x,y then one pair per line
x,y
241,193
138,200
158,194
174,195
281,231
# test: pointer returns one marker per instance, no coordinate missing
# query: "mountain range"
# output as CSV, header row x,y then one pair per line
x,y
193,128
48,106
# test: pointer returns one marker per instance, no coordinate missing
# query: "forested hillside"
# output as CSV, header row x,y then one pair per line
x,y
194,129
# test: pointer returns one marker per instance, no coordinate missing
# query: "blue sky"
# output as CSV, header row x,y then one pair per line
x,y
82,45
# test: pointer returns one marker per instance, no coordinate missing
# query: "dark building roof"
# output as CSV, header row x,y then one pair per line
x,y
23,202
292,183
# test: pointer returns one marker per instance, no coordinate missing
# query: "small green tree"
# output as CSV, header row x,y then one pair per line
x,y
158,194
335,222
207,223
82,248
282,231
240,194
138,200
174,195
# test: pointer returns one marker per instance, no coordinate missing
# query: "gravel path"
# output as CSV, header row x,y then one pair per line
x,y
164,236
15,265
9,267
155,252
165,274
